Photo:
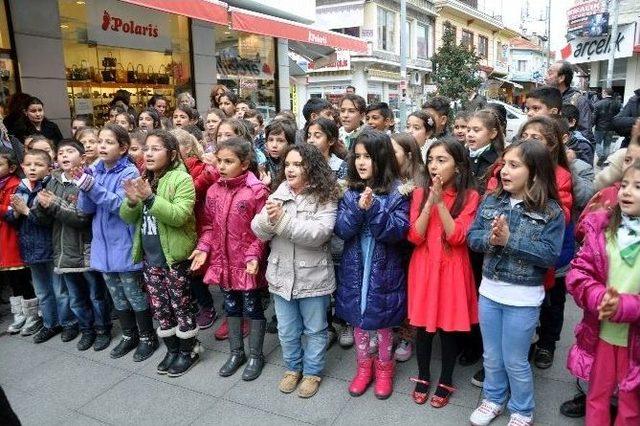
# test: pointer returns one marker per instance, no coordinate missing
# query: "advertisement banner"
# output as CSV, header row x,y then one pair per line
x,y
592,49
117,24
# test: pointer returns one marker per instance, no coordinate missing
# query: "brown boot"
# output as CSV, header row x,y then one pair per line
x,y
309,386
290,381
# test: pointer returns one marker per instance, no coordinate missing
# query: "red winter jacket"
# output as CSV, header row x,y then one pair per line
x,y
230,206
10,251
203,176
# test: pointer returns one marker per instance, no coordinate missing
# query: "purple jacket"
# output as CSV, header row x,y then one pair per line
x,y
587,283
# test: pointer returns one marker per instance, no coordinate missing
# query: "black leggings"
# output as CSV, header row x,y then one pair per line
x,y
424,343
20,282
247,303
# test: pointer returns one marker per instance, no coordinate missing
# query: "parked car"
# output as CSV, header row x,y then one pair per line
x,y
515,118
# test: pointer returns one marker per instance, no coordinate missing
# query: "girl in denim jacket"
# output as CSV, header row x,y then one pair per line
x,y
519,228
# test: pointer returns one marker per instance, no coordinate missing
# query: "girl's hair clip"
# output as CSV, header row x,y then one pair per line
x,y
430,121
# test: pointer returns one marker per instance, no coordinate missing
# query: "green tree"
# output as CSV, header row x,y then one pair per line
x,y
455,67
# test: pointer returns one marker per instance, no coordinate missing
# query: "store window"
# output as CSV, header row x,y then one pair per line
x,y
110,45
386,29
7,62
246,64
423,41
483,47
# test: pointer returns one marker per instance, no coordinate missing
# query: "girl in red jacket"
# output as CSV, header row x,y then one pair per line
x,y
235,255
12,269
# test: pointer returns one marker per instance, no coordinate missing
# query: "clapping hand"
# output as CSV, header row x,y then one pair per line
x,y
435,191
609,304
19,205
252,267
274,211
366,199
130,191
45,198
499,231
143,187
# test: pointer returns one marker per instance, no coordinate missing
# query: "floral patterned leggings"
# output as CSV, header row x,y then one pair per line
x,y
170,294
385,343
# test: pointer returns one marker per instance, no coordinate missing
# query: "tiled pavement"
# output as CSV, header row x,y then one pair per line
x,y
54,384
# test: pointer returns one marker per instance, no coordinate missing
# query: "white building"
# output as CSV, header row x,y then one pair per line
x,y
376,75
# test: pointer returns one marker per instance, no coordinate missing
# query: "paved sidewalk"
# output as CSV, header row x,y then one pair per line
x,y
55,384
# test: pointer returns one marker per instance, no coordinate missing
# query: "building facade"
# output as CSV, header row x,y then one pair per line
x,y
528,65
75,55
591,53
376,73
483,31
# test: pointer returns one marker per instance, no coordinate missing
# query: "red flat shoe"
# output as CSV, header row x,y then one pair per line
x,y
420,397
441,401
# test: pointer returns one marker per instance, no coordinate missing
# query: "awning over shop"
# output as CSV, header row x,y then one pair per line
x,y
513,83
206,10
258,23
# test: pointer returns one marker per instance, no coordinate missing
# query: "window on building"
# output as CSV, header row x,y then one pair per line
x,y
386,29
467,39
483,46
409,26
422,39
522,65
448,27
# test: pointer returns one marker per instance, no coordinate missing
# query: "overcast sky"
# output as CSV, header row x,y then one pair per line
x,y
512,16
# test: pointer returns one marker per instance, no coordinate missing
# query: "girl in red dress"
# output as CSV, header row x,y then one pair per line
x,y
442,294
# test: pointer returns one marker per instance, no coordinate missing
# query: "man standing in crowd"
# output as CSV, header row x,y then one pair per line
x,y
623,122
603,113
560,75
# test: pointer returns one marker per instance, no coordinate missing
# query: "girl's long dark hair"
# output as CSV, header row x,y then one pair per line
x,y
541,186
320,177
491,121
616,215
122,135
552,133
413,168
462,180
173,153
385,167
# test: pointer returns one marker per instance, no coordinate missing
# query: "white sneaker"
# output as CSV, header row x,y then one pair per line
x,y
346,337
485,413
373,343
403,351
19,318
520,420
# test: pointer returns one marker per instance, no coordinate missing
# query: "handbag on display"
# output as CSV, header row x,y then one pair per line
x,y
108,74
132,75
163,75
152,76
109,61
5,74
141,76
83,70
121,74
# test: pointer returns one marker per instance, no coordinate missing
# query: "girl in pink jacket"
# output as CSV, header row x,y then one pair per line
x,y
605,282
235,256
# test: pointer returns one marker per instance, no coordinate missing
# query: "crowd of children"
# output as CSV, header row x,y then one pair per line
x,y
446,229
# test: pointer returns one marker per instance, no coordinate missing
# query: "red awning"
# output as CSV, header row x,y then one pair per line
x,y
206,10
257,23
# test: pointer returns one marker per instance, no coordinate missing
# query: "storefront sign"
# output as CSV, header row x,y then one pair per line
x,y
230,64
578,15
584,49
342,63
114,23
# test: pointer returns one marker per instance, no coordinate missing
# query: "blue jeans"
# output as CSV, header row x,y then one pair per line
x,y
126,290
506,335
88,299
306,316
603,140
52,296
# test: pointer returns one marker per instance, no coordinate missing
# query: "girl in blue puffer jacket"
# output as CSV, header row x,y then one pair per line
x,y
373,219
102,192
